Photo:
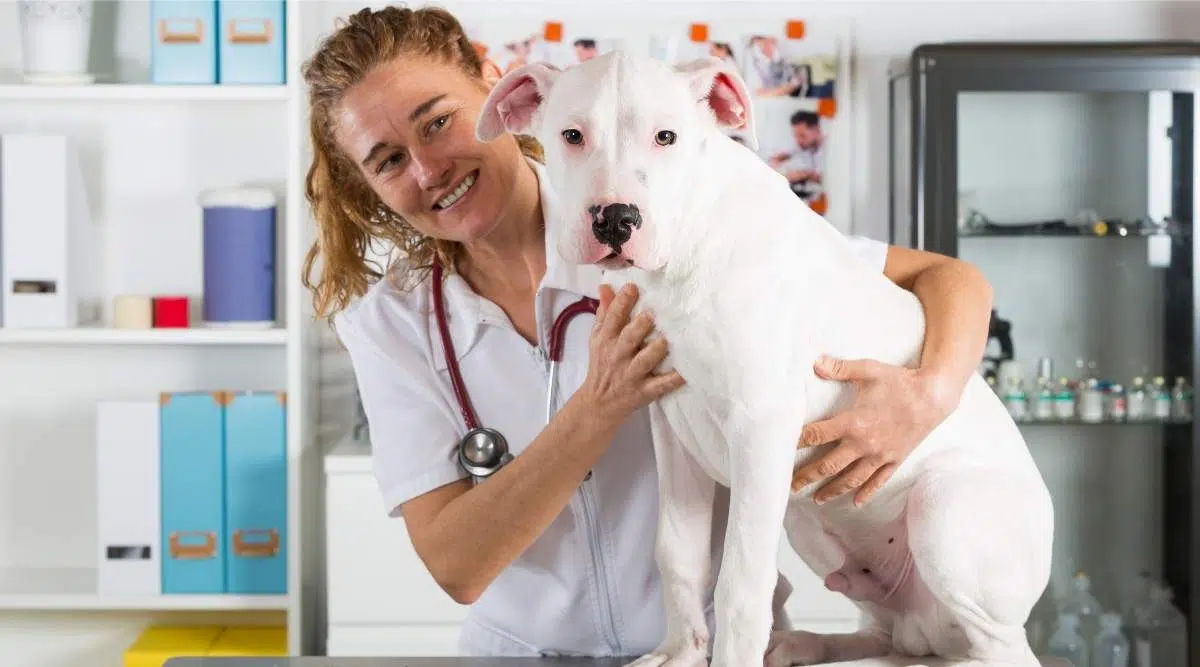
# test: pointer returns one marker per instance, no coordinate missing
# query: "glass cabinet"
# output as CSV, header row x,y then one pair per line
x,y
1066,173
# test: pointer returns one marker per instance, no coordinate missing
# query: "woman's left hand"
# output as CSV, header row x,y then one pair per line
x,y
894,410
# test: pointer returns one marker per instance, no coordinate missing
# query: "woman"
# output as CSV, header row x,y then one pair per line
x,y
555,551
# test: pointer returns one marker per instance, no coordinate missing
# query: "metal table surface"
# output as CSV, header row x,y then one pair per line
x,y
506,662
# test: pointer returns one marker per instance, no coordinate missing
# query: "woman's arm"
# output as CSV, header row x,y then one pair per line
x,y
897,407
466,535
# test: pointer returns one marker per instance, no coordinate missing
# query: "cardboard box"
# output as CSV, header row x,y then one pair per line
x,y
183,46
251,42
193,492
256,511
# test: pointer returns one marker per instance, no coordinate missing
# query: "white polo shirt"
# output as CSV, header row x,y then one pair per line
x,y
589,584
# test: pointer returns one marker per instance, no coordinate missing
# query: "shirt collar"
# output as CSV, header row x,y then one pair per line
x,y
467,312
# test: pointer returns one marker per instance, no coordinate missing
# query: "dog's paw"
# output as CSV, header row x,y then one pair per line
x,y
688,658
795,647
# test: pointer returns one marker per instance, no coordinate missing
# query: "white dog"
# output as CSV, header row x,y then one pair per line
x,y
749,285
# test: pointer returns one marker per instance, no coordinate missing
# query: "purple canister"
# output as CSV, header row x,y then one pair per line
x,y
239,257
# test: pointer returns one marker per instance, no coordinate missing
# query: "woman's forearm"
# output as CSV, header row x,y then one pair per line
x,y
957,300
482,531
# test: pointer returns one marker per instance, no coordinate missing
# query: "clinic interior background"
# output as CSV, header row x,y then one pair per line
x,y
146,156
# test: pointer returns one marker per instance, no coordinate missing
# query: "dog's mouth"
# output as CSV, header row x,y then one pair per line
x,y
614,261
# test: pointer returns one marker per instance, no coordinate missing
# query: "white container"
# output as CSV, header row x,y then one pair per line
x,y
44,232
56,37
127,498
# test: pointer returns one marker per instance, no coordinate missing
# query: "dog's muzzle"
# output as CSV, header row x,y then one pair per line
x,y
613,224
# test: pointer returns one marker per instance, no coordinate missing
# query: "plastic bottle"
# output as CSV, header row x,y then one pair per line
x,y
1161,633
1066,642
1080,602
1181,400
1138,403
1110,648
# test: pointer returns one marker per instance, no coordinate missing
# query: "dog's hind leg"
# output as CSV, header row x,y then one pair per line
x,y
684,552
981,543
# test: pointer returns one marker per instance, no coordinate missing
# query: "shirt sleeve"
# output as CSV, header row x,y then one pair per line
x,y
412,430
873,252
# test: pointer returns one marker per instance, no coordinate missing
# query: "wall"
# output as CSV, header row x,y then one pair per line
x,y
884,31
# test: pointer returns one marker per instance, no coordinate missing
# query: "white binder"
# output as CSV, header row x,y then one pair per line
x,y
44,223
127,498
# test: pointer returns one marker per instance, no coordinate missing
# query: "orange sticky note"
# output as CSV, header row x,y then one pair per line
x,y
699,32
553,31
827,107
795,29
819,205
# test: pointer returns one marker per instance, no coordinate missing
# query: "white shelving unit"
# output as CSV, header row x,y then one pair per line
x,y
147,151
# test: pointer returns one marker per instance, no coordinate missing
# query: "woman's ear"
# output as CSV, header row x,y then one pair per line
x,y
491,73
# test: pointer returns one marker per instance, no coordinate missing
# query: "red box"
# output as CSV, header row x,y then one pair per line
x,y
170,312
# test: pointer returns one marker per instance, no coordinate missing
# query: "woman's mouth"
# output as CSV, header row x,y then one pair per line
x,y
459,192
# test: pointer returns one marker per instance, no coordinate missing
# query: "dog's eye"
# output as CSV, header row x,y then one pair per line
x,y
574,137
664,138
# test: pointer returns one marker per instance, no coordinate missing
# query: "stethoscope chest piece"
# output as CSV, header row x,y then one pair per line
x,y
482,451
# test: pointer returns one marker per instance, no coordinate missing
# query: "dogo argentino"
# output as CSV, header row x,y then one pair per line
x,y
748,285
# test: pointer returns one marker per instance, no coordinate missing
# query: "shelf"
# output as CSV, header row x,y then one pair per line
x,y
1053,230
136,92
104,336
28,589
1080,422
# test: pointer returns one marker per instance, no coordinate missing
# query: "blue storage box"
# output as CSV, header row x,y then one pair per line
x,y
184,41
192,467
256,493
251,38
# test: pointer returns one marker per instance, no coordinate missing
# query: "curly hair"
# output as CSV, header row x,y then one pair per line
x,y
349,216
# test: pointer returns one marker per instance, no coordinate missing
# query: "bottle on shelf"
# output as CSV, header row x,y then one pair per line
x,y
1160,632
1110,648
1064,399
1067,643
1014,398
1043,399
1091,401
1118,403
1137,403
1181,400
1160,399
1081,603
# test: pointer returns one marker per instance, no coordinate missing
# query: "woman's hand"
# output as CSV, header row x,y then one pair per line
x,y
621,362
894,410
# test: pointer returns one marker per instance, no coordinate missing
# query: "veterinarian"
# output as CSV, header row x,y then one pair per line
x,y
550,562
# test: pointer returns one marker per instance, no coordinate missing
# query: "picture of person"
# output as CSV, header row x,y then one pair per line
x,y
575,50
509,52
801,159
677,50
775,67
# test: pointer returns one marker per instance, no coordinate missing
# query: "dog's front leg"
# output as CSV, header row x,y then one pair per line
x,y
684,552
761,452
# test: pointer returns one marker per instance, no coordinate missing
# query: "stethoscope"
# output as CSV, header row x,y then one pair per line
x,y
483,450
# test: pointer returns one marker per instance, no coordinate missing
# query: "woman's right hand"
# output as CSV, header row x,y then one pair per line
x,y
621,363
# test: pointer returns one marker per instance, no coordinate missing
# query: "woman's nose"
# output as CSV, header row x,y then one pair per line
x,y
432,171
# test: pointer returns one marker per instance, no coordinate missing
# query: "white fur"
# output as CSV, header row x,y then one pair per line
x,y
749,285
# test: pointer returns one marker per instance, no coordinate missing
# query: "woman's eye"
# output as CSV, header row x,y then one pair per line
x,y
664,138
573,137
391,161
439,122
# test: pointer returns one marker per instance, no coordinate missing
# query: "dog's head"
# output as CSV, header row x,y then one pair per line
x,y
623,136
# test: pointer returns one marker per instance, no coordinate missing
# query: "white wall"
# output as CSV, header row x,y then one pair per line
x,y
883,32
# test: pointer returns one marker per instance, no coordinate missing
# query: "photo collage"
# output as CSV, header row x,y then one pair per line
x,y
792,77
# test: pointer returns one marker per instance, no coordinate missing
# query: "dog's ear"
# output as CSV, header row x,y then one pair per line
x,y
719,87
513,103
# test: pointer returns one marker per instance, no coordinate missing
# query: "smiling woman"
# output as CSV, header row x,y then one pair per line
x,y
395,96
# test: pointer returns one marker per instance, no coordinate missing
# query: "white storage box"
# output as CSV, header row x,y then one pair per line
x,y
127,498
44,221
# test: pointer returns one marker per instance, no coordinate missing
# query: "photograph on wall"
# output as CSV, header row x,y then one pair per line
x,y
510,48
789,63
571,45
792,138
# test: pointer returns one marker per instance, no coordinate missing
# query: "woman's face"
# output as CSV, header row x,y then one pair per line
x,y
410,128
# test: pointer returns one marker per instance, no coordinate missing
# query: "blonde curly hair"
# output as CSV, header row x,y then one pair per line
x,y
349,216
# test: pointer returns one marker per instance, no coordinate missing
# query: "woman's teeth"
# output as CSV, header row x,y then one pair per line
x,y
461,190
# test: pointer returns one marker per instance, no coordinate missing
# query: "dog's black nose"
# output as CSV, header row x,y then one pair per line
x,y
614,224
